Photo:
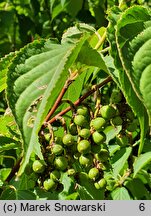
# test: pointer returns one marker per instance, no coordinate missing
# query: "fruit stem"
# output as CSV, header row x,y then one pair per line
x,y
63,91
80,100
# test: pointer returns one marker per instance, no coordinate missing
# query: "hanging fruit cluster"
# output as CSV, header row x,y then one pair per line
x,y
84,142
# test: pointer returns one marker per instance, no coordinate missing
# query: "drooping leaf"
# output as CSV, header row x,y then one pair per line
x,y
141,161
120,73
134,47
36,76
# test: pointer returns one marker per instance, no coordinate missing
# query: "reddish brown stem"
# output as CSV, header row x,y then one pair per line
x,y
56,104
82,98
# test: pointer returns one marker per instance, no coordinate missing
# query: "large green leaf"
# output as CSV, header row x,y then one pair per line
x,y
120,72
134,43
36,76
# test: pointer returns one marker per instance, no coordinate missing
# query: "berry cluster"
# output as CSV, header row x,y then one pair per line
x,y
84,143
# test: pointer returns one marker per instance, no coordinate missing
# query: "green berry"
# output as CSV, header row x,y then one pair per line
x,y
117,120
98,123
85,133
107,111
130,115
68,140
57,149
73,129
83,111
38,166
132,126
102,183
98,138
93,173
55,175
86,160
97,186
71,172
116,96
80,120
61,163
49,184
84,147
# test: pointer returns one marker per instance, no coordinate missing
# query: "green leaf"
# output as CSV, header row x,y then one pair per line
x,y
4,63
91,57
73,34
118,45
35,78
134,47
141,161
120,194
87,190
120,159
7,143
68,186
133,186
44,195
13,194
73,7
4,172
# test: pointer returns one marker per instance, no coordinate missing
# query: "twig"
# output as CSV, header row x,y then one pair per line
x,y
56,104
14,170
82,98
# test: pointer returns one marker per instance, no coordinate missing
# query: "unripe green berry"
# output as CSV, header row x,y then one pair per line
x,y
117,120
71,172
57,149
98,123
68,139
61,163
107,111
80,120
84,147
85,133
49,184
116,96
130,115
83,111
102,183
86,160
38,166
73,129
132,126
55,175
93,173
98,138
